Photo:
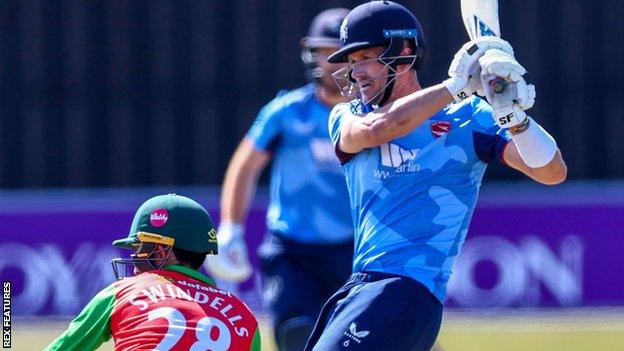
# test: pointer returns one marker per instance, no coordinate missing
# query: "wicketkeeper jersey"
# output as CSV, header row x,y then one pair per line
x,y
309,201
412,198
176,308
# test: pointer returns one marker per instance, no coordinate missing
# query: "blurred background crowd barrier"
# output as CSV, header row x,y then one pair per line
x,y
528,246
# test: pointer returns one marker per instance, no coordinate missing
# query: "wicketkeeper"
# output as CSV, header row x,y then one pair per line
x,y
166,304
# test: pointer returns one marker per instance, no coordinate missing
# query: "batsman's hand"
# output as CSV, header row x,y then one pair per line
x,y
232,261
518,96
465,71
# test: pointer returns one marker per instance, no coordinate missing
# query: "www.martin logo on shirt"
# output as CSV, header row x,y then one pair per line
x,y
396,160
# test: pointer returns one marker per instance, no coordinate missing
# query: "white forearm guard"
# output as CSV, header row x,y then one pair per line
x,y
537,148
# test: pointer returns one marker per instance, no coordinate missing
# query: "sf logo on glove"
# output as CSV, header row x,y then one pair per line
x,y
506,118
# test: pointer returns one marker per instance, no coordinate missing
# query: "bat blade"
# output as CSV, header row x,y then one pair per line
x,y
480,18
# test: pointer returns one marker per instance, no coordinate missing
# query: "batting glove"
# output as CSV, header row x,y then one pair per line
x,y
464,71
518,96
232,262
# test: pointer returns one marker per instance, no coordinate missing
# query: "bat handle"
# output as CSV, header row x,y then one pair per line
x,y
498,85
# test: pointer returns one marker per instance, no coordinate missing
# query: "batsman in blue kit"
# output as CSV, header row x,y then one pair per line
x,y
308,251
413,159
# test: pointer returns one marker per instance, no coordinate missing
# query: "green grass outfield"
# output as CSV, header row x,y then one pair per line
x,y
569,330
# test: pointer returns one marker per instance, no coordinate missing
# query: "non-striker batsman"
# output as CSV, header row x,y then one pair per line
x,y
306,255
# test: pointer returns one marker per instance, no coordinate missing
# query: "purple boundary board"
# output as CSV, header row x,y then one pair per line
x,y
528,245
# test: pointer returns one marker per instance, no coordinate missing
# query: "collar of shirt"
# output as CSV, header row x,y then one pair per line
x,y
190,272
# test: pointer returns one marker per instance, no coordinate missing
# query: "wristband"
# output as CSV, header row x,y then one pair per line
x,y
231,229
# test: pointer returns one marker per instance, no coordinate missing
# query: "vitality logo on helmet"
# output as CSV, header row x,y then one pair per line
x,y
159,217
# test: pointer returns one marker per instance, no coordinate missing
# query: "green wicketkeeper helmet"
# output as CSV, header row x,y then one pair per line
x,y
172,220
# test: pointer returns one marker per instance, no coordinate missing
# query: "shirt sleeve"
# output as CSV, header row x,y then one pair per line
x,y
90,328
266,128
489,140
335,118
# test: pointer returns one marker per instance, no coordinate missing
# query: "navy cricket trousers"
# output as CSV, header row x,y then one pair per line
x,y
378,311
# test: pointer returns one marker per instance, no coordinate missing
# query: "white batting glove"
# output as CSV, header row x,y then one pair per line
x,y
499,64
508,106
232,262
509,116
464,71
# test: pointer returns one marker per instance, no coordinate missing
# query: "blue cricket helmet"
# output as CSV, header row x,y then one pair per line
x,y
324,32
377,23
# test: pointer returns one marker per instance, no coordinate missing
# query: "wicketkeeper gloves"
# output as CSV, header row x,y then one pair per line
x,y
232,262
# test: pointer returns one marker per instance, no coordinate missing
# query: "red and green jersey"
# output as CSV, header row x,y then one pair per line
x,y
175,308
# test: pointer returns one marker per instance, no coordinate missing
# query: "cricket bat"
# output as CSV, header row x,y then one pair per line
x,y
480,19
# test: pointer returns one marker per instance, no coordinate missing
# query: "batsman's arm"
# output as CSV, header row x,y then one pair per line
x,y
393,120
91,327
241,178
554,172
